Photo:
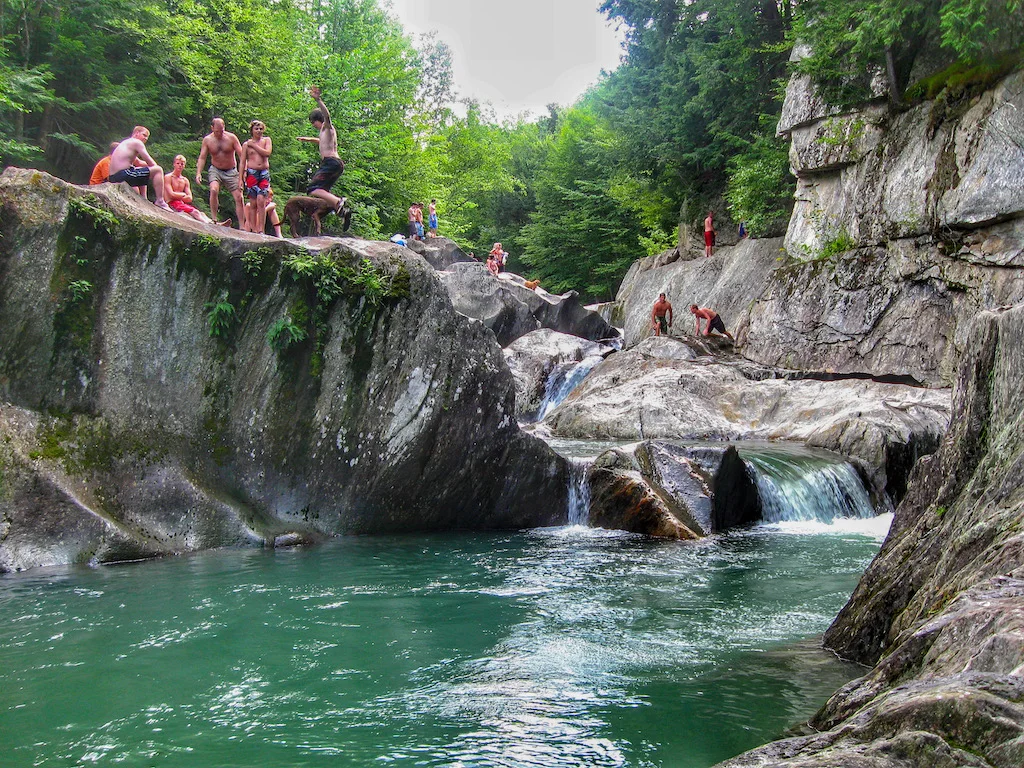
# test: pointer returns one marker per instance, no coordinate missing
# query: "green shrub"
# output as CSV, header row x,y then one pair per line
x,y
221,315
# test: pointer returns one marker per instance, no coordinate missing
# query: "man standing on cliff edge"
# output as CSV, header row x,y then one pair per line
x,y
223,148
662,309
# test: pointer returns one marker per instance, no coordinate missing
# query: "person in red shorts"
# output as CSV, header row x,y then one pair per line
x,y
178,193
709,233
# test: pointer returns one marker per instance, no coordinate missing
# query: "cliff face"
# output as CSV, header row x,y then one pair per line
x,y
906,226
170,387
940,612
930,206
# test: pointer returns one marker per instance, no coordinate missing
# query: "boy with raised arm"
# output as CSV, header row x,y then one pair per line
x,y
123,165
331,166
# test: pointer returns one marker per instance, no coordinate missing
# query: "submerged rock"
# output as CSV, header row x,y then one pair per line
x,y
175,387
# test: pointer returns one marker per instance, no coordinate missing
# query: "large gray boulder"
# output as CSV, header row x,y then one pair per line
x,y
623,499
727,282
664,388
510,309
439,252
940,611
147,410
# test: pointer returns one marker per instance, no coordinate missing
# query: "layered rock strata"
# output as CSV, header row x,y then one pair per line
x,y
173,387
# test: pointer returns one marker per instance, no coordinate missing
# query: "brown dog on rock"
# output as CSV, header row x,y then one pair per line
x,y
315,208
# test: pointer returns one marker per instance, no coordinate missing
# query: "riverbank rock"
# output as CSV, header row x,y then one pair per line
x,y
727,282
439,252
940,611
510,309
705,488
622,499
172,386
541,360
666,388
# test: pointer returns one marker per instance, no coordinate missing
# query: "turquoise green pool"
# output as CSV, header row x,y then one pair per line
x,y
557,647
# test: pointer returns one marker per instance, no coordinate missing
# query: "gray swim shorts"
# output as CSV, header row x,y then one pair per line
x,y
228,179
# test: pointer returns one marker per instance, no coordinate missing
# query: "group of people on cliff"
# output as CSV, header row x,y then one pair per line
x,y
241,168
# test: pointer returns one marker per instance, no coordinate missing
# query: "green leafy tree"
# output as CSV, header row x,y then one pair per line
x,y
580,237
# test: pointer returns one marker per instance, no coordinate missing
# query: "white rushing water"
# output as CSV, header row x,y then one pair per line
x,y
579,491
803,486
563,380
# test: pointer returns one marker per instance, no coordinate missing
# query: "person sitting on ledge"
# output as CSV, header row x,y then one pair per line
x,y
714,321
123,166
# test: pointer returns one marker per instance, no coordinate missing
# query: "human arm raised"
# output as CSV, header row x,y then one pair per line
x,y
314,91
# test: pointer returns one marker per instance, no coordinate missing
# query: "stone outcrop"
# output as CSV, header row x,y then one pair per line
x,y
510,309
940,611
875,176
621,498
899,312
664,488
665,388
727,282
439,252
172,386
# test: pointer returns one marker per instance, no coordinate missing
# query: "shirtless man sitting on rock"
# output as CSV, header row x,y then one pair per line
x,y
662,309
131,163
223,148
178,192
714,321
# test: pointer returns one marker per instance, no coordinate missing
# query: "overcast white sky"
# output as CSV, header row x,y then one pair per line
x,y
520,55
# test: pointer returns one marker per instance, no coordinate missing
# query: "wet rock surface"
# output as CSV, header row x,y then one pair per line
x,y
155,419
674,389
940,611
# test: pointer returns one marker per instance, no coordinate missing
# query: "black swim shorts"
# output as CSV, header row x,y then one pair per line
x,y
330,170
135,175
717,324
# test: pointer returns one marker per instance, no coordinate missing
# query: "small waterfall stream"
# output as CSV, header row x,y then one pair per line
x,y
562,380
579,491
798,487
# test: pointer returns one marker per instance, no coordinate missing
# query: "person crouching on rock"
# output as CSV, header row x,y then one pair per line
x,y
661,316
714,321
123,165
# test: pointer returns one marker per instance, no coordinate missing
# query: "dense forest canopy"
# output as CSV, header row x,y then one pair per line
x,y
686,123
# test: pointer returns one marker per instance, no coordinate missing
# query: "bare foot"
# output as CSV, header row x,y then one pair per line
x,y
162,204
341,204
225,223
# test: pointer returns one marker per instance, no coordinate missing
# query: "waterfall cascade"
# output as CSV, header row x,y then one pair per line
x,y
579,491
803,486
562,380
